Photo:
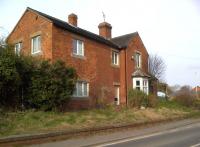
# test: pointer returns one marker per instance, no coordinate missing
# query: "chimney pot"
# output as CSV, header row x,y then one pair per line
x,y
72,19
105,30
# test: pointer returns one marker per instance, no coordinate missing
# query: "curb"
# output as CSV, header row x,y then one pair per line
x,y
68,134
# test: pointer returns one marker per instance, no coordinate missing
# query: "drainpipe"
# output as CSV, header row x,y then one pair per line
x,y
126,86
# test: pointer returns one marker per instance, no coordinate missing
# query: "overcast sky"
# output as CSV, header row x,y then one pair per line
x,y
169,28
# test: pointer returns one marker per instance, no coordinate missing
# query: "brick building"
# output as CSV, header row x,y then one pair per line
x,y
107,67
196,91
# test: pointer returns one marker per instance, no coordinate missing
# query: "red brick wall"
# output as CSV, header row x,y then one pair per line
x,y
95,67
30,25
135,45
123,90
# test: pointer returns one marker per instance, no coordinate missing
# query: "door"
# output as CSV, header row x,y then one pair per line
x,y
117,98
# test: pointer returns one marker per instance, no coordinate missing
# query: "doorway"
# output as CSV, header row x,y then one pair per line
x,y
117,97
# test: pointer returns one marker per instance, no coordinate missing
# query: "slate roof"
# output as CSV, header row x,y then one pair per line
x,y
77,30
123,41
139,73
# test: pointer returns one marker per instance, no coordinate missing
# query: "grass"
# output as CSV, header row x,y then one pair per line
x,y
14,123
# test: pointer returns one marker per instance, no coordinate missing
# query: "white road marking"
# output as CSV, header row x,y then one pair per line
x,y
151,135
196,145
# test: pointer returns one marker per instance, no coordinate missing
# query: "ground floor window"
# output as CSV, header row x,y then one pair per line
x,y
81,89
142,84
117,97
18,47
137,84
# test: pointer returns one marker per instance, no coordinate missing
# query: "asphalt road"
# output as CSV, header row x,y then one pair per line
x,y
184,133
187,136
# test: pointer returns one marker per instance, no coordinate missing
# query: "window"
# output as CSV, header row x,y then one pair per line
x,y
115,58
78,47
145,86
18,47
141,83
36,44
81,89
138,60
137,84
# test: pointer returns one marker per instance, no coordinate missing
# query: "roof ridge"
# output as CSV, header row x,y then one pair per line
x,y
74,29
47,15
125,35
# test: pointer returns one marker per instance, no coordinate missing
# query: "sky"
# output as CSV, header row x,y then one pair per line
x,y
168,28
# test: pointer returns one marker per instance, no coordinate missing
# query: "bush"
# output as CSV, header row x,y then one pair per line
x,y
32,83
51,85
137,98
9,79
185,96
196,104
152,100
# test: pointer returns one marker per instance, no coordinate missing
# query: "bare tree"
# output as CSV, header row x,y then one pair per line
x,y
3,35
2,43
157,66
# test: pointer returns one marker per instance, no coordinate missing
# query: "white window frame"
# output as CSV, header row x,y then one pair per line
x,y
138,86
117,94
143,86
75,93
79,51
38,44
138,60
18,47
115,58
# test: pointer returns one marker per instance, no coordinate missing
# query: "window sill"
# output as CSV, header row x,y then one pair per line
x,y
78,56
36,53
115,66
138,67
80,98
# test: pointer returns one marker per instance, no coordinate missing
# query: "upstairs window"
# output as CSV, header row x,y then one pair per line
x,y
81,89
115,58
36,44
78,47
138,60
18,47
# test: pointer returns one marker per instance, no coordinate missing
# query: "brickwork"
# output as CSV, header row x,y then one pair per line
x,y
134,46
31,25
73,19
95,66
105,30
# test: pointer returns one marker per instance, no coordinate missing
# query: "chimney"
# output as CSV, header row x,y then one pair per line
x,y
72,19
105,30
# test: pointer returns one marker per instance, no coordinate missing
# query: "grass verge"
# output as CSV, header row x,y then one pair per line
x,y
28,122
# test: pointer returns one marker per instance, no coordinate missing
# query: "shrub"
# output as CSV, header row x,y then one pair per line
x,y
9,78
137,98
32,83
184,96
26,66
196,104
51,85
152,100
